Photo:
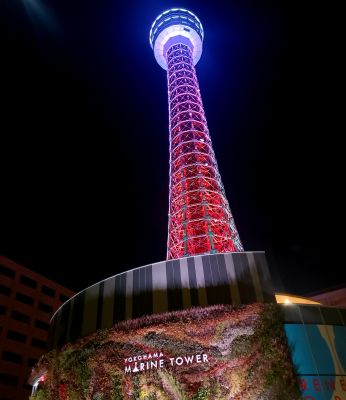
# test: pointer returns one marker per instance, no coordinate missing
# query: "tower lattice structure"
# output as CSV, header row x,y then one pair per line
x,y
200,219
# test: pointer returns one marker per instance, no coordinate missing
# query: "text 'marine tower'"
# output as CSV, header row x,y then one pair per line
x,y
200,219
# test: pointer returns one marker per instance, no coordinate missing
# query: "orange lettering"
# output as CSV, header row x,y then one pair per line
x,y
343,384
330,385
316,384
302,384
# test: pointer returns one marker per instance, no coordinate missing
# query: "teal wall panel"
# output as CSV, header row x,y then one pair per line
x,y
320,351
319,355
300,349
340,344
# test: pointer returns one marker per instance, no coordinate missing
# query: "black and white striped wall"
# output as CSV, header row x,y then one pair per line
x,y
229,278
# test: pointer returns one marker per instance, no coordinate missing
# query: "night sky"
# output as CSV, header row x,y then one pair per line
x,y
84,135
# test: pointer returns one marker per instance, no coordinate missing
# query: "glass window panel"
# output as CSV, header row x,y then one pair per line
x,y
311,314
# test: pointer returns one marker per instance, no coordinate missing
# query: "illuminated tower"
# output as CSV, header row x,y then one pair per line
x,y
200,219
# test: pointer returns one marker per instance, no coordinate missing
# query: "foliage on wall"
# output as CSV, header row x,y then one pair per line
x,y
246,358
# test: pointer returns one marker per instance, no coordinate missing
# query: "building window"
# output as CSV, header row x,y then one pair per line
x,y
2,309
12,357
45,307
28,282
23,298
18,337
5,290
63,298
39,343
20,317
42,325
7,271
48,291
7,379
32,361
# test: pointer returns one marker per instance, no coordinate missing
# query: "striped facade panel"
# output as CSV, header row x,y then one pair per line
x,y
119,309
160,297
63,324
142,293
216,280
192,281
199,281
108,302
100,306
223,290
129,291
174,286
232,279
185,284
77,318
244,279
90,310
261,265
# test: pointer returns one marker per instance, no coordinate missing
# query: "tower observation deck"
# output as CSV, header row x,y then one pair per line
x,y
200,219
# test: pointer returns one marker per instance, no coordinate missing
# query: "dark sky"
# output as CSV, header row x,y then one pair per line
x,y
84,134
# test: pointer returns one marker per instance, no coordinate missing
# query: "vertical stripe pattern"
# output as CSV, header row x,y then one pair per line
x,y
198,281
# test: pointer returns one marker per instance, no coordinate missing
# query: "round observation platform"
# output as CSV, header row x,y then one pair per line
x,y
176,25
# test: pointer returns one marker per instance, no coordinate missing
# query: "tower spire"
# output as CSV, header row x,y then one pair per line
x,y
200,219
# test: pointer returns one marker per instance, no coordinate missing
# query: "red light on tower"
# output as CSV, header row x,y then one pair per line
x,y
200,219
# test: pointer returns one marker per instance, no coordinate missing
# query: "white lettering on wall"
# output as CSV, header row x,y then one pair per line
x,y
134,363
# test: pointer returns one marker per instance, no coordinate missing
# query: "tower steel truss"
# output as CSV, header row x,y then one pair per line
x,y
200,219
